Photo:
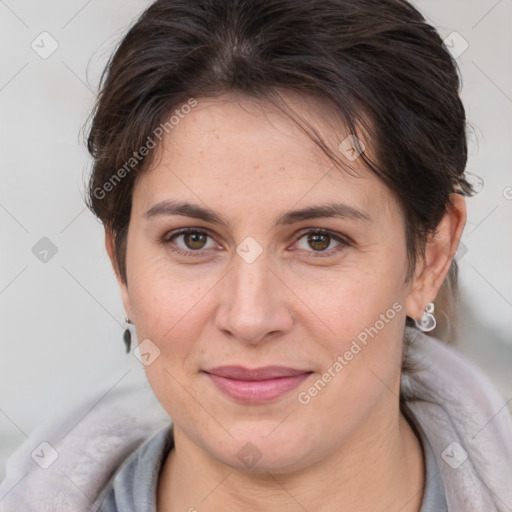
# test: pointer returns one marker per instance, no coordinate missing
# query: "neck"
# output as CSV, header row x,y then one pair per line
x,y
382,470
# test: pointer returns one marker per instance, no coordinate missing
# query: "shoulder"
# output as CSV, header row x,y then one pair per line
x,y
65,465
465,421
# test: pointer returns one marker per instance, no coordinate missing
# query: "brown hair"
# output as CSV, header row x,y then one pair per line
x,y
373,57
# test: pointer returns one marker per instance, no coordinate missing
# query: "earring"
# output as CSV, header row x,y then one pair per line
x,y
427,322
127,336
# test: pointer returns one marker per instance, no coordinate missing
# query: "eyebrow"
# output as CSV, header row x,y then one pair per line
x,y
330,210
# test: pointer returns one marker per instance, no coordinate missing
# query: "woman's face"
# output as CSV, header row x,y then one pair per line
x,y
251,286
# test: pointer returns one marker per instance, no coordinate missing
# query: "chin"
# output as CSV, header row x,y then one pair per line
x,y
263,448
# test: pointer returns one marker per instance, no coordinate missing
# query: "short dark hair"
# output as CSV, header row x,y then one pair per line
x,y
378,63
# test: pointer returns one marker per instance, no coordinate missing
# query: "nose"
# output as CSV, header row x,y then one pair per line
x,y
254,303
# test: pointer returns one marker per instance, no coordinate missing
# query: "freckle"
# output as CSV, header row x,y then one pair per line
x,y
281,168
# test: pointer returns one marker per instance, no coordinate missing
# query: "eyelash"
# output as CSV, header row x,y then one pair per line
x,y
343,241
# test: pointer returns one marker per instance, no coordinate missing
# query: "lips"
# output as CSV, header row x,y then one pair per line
x,y
258,385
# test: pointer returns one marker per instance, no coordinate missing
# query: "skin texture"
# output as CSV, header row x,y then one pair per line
x,y
349,448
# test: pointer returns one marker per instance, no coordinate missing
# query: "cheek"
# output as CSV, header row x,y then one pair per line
x,y
364,314
169,308
349,301
170,304
365,319
163,305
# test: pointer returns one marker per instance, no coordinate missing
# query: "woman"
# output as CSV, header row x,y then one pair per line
x,y
281,185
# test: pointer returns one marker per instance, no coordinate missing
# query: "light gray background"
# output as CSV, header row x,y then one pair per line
x,y
62,320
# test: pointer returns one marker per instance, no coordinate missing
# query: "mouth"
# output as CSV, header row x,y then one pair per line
x,y
258,385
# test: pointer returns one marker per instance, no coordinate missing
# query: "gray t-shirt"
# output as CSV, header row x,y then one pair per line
x,y
134,487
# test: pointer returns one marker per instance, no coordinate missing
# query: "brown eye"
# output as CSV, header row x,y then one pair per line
x,y
319,242
189,241
195,240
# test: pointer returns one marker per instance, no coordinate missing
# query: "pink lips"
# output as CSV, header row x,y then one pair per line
x,y
259,385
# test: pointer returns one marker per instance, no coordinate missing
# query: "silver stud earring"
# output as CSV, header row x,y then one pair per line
x,y
127,336
427,322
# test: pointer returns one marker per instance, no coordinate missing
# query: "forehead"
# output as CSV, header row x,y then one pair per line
x,y
235,149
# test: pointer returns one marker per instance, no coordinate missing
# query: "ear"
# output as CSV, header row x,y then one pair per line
x,y
110,246
440,250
